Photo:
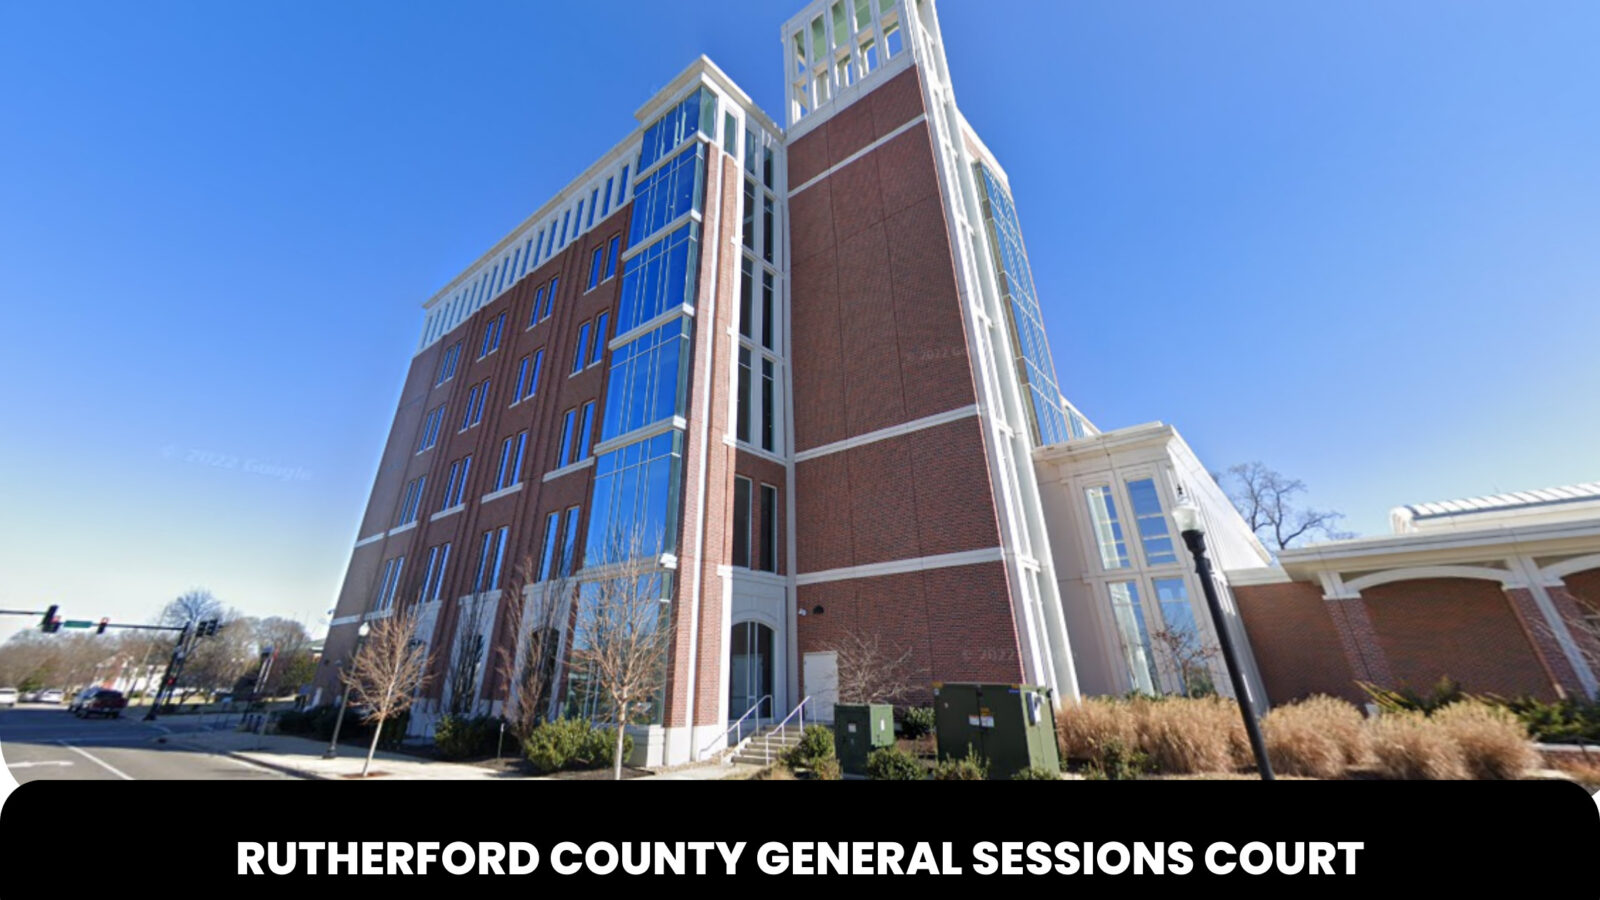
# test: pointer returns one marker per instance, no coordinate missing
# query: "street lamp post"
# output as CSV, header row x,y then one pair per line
x,y
333,745
1186,515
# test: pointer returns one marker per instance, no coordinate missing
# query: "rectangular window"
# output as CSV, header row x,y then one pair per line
x,y
741,522
646,381
433,574
510,471
667,194
431,427
1107,528
747,286
565,456
766,167
768,428
611,255
1152,523
390,583
730,134
585,431
538,301
596,261
766,228
447,365
520,391
491,557
411,501
476,398
599,339
533,376
622,187
742,426
767,554
659,278
1137,654
569,543
635,494
1180,638
455,485
605,207
594,198
566,219
766,309
491,335
552,534
550,299
582,354
750,215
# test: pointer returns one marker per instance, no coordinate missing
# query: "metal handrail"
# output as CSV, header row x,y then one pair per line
x,y
781,727
738,725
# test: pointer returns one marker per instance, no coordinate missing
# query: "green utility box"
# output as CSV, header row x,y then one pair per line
x,y
860,729
1013,726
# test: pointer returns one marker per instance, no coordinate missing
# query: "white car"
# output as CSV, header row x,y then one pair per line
x,y
8,697
51,696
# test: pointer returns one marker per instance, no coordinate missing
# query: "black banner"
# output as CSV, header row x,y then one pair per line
x,y
1095,838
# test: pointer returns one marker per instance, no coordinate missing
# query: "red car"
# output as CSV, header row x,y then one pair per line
x,y
104,702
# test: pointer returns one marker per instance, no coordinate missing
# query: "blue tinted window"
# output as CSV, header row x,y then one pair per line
x,y
582,353
697,112
669,192
646,379
566,440
661,277
635,499
1035,366
599,339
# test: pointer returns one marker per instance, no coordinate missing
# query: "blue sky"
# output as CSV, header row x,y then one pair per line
x,y
1355,241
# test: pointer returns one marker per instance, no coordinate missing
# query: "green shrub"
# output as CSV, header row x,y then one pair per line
x,y
917,722
971,767
552,746
894,764
816,742
599,747
459,737
826,769
1118,762
293,721
1443,693
1568,720
1037,773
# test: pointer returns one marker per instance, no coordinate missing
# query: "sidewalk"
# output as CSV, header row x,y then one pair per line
x,y
303,757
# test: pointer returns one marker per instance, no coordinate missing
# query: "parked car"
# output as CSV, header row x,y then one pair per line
x,y
8,697
51,696
104,702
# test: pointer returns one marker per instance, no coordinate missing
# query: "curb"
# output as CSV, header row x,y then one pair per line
x,y
242,757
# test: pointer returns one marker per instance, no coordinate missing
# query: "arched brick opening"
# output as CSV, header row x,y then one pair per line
x,y
1461,628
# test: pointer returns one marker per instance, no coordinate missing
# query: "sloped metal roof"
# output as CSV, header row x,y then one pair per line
x,y
1572,493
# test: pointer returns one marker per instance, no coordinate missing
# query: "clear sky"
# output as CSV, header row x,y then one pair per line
x,y
1356,241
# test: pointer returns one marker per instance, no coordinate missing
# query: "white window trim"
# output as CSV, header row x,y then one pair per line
x,y
496,495
568,469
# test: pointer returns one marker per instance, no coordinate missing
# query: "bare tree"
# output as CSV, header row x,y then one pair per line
x,y
525,662
622,636
194,605
1189,657
871,671
386,672
1267,500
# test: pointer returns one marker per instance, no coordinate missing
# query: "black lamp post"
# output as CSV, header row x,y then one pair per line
x,y
1186,516
333,744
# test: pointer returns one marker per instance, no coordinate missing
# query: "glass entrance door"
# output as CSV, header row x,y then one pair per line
x,y
750,670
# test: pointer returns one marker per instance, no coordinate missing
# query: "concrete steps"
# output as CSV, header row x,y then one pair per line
x,y
767,746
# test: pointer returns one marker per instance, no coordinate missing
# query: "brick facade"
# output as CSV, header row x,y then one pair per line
x,y
1296,642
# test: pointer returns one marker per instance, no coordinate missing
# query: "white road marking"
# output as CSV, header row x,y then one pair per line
x,y
41,762
97,761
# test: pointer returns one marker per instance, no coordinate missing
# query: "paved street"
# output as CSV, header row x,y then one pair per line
x,y
47,742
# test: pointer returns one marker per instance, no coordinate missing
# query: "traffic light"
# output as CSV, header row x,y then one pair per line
x,y
104,621
51,622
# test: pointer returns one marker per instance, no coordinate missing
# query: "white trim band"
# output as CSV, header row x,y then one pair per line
x,y
899,566
371,539
910,124
954,415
